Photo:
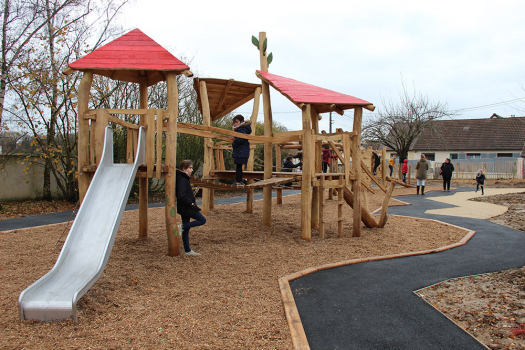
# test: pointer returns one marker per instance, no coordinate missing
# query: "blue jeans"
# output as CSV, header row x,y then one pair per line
x,y
186,225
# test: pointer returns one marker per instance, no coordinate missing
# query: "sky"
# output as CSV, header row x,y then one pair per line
x,y
468,54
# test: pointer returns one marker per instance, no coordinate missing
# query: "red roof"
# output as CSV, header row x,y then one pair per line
x,y
133,51
299,92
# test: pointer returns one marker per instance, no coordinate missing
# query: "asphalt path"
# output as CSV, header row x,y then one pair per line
x,y
65,216
371,305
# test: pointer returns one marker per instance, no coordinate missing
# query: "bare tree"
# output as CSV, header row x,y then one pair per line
x,y
399,123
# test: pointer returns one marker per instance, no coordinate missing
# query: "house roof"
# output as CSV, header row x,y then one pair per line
x,y
132,57
224,96
323,99
473,134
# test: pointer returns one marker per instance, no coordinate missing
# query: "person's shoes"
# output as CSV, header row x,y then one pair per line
x,y
417,187
191,252
179,229
239,184
448,190
422,190
476,191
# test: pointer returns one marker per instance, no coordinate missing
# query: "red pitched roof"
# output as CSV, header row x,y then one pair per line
x,y
299,92
134,51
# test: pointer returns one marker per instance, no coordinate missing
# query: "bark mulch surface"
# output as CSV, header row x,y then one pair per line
x,y
491,306
227,298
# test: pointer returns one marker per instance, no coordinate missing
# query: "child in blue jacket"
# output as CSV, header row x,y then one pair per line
x,y
241,147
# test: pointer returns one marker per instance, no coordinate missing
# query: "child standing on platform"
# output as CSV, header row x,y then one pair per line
x,y
241,147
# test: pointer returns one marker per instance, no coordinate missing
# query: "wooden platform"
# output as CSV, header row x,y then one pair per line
x,y
230,174
210,183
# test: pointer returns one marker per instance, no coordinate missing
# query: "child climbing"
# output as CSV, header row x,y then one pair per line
x,y
326,157
241,147
186,205
288,166
404,170
480,181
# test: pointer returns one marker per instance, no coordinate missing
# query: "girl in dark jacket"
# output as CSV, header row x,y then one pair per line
x,y
446,171
241,147
480,181
186,205
288,167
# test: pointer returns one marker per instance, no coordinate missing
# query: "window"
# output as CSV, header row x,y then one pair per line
x,y
453,156
501,155
430,156
473,155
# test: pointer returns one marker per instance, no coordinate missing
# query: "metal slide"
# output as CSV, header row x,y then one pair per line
x,y
89,243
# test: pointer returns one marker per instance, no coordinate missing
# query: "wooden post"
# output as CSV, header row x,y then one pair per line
x,y
268,159
171,159
321,208
100,132
356,162
347,154
306,182
365,197
278,169
383,218
83,133
143,181
340,201
317,190
206,119
255,112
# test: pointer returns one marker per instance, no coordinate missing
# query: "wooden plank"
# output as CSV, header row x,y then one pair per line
x,y
150,141
224,94
129,146
383,218
347,149
160,118
100,132
122,122
92,141
171,159
372,177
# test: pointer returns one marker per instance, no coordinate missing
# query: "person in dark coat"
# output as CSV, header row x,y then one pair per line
x,y
480,181
446,171
288,167
377,161
241,147
326,157
186,205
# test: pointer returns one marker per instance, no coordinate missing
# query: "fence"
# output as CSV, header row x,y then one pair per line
x,y
467,169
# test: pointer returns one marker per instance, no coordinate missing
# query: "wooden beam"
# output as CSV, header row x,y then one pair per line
x,y
158,163
356,160
383,218
83,132
208,155
143,182
224,94
171,159
306,182
336,109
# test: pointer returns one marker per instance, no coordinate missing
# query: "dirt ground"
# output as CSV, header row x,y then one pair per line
x,y
228,298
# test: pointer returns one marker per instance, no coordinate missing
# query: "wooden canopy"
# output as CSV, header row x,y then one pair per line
x,y
301,93
133,57
224,95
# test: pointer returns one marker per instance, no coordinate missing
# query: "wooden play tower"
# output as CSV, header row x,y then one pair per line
x,y
136,58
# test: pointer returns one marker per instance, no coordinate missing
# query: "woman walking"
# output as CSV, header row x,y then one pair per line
x,y
421,174
446,171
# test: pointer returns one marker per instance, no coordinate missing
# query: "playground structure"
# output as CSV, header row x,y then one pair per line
x,y
136,58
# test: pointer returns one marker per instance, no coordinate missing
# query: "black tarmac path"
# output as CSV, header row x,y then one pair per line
x,y
371,305
56,218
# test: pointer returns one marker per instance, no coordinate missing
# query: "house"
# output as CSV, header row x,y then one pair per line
x,y
493,137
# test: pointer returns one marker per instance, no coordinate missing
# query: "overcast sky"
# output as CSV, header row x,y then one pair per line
x,y
466,53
